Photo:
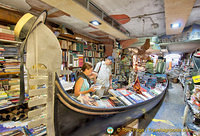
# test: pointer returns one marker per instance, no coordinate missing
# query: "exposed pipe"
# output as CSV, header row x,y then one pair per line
x,y
142,16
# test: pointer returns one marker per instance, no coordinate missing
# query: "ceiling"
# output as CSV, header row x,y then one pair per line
x,y
141,18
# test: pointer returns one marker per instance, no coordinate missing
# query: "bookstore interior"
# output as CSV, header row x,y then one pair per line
x,y
62,74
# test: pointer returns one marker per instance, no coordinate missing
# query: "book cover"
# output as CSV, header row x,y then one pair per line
x,y
147,95
131,100
123,91
135,98
106,103
116,101
124,100
142,97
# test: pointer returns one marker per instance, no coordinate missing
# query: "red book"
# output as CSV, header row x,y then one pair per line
x,y
111,102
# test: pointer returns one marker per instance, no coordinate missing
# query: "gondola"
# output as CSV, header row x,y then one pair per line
x,y
75,118
53,106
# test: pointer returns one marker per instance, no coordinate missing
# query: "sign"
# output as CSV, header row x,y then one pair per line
x,y
110,130
196,79
137,86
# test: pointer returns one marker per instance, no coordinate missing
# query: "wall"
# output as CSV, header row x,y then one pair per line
x,y
108,49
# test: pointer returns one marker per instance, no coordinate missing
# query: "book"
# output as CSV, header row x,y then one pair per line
x,y
147,95
106,103
111,102
113,92
124,100
85,99
154,92
142,97
135,98
116,101
123,91
130,99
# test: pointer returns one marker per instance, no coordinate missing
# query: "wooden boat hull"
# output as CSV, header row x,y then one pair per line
x,y
75,119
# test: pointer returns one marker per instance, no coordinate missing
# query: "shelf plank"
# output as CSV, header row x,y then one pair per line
x,y
12,105
37,122
38,81
36,92
37,102
9,41
36,112
75,51
93,57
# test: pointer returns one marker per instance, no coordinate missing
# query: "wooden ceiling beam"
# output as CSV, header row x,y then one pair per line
x,y
78,11
177,11
9,16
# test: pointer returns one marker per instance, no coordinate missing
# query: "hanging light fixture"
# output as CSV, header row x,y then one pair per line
x,y
95,22
175,25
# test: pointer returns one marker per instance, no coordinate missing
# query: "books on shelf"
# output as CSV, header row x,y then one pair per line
x,y
80,60
7,34
70,59
64,44
75,62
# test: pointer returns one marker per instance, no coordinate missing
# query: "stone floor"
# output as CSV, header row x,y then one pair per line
x,y
168,117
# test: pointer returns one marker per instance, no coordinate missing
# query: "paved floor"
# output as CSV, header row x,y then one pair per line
x,y
169,116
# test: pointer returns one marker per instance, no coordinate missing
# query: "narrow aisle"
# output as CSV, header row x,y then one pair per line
x,y
170,115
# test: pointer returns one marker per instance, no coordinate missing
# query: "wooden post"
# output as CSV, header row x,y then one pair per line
x,y
50,104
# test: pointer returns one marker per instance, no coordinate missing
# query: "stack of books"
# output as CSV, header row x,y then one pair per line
x,y
6,33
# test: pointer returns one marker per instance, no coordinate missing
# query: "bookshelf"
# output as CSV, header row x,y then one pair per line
x,y
9,72
76,52
13,117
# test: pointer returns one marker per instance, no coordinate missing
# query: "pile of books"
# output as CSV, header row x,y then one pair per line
x,y
121,97
9,59
19,128
128,96
6,33
9,92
